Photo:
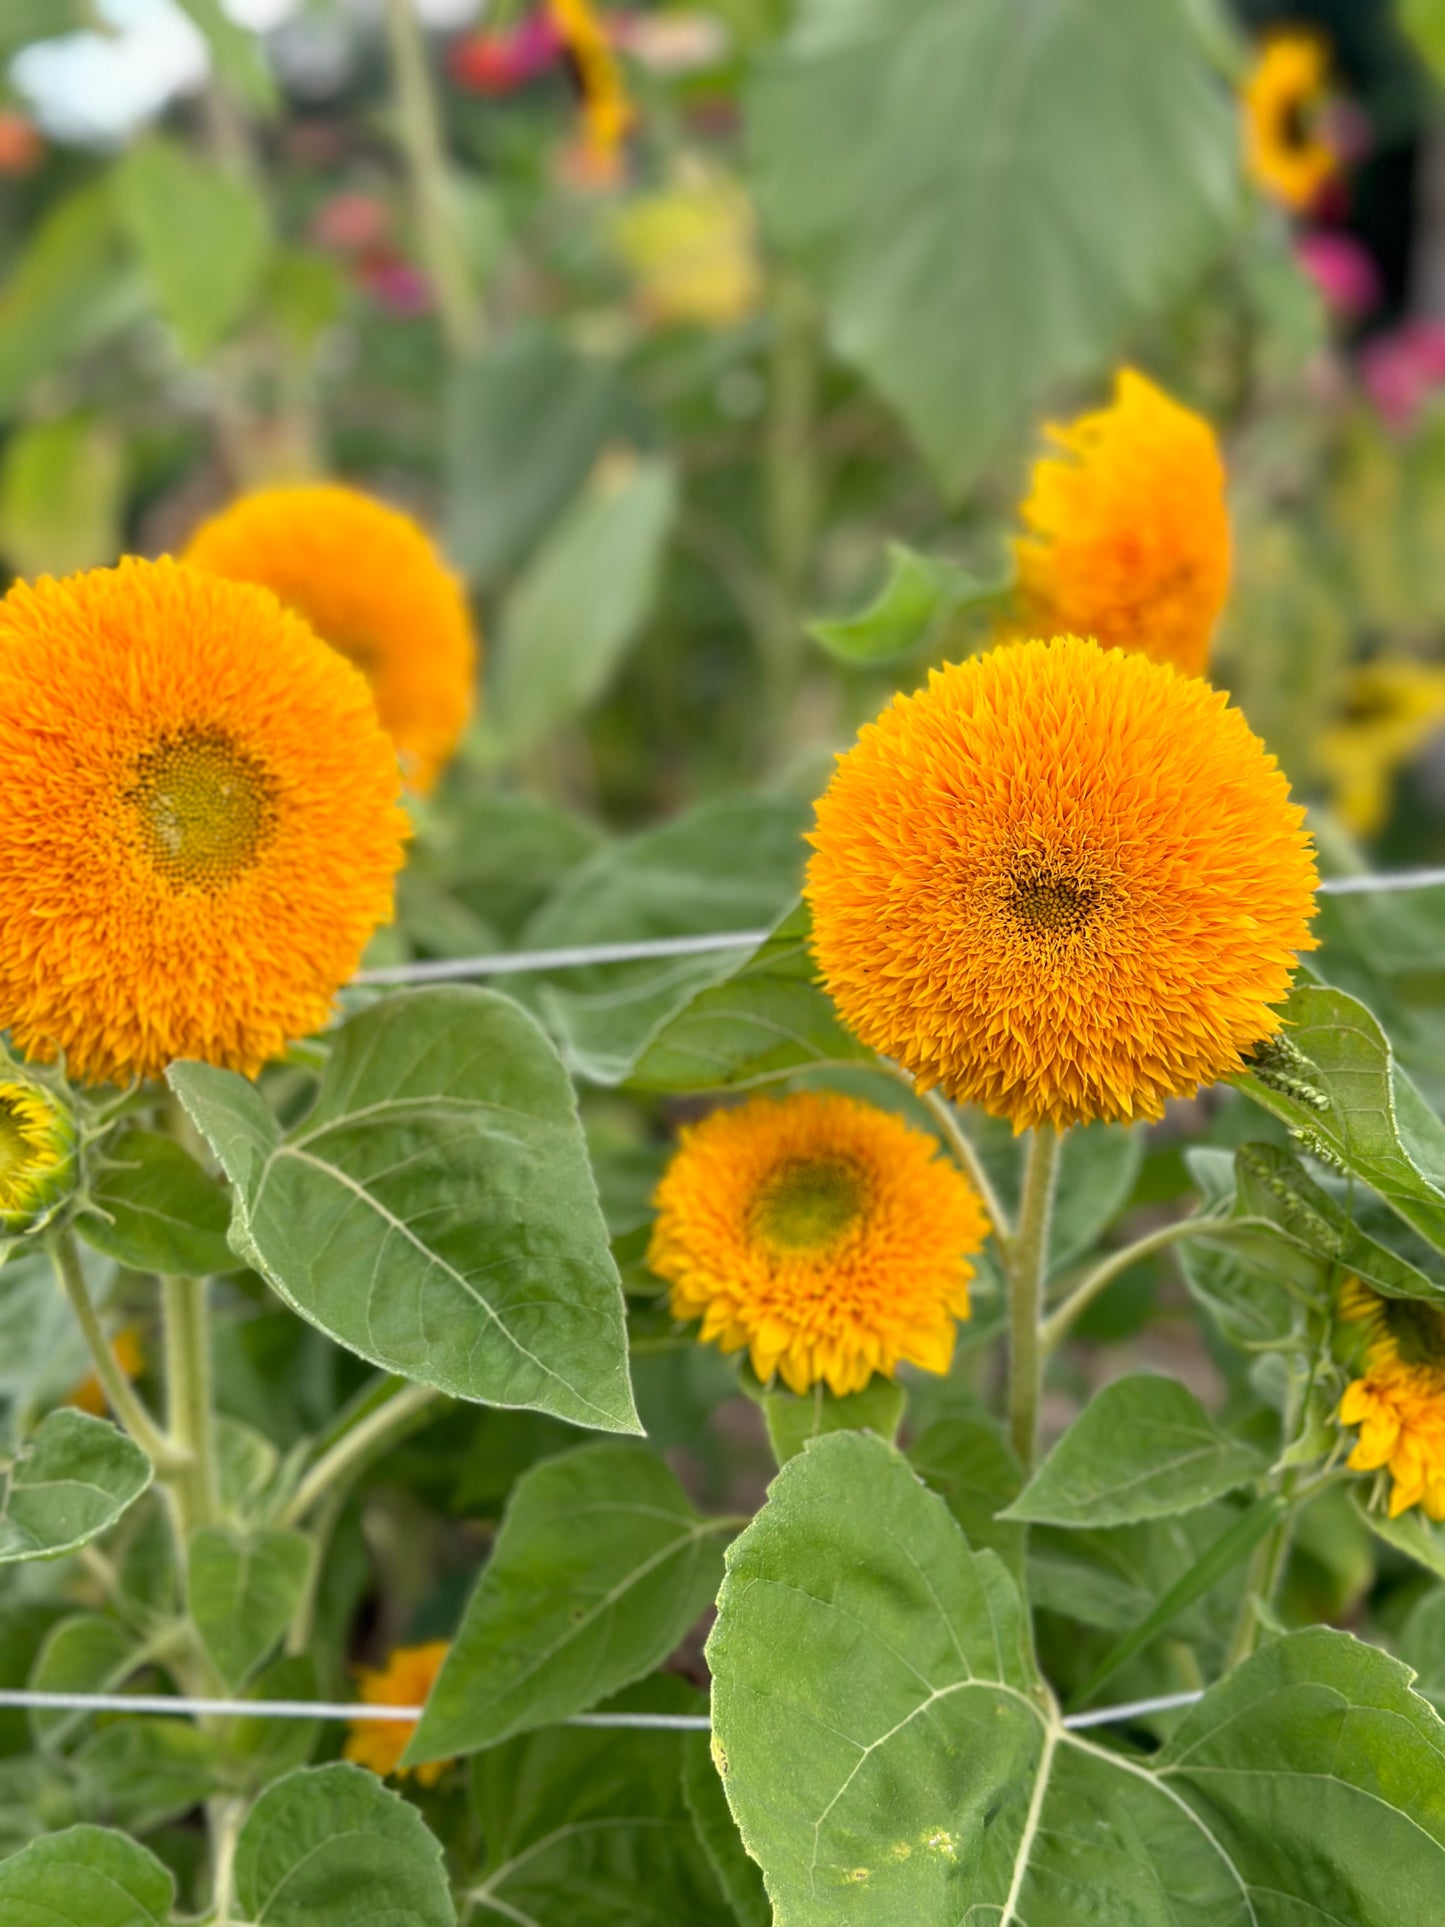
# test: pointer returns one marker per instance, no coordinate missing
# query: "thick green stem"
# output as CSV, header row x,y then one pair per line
x,y
188,1395
226,1819
346,1457
793,491
1059,1322
120,1394
1028,1259
421,139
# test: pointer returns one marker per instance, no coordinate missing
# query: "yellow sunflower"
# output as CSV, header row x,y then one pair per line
x,y
1398,1403
1063,882
1283,99
199,825
608,115
37,1156
829,1238
370,582
1392,708
1128,532
405,1680
89,1394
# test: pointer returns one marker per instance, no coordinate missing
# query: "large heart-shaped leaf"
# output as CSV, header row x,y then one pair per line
x,y
67,1484
893,1759
85,1877
599,1569
243,1588
992,194
435,1211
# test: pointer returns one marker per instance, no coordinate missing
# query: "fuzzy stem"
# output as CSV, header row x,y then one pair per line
x,y
346,1456
1028,1260
1059,1321
421,141
120,1394
188,1395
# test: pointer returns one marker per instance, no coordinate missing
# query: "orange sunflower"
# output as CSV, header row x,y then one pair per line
x,y
1062,882
405,1680
370,582
1283,101
1398,1403
199,825
1128,531
829,1238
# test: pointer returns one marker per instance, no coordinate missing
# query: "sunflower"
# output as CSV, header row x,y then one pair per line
x,y
37,1156
405,1680
369,582
829,1238
1392,708
89,1394
1063,882
608,115
1128,532
1399,1402
1283,99
199,825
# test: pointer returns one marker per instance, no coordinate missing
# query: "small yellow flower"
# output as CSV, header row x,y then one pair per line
x,y
1398,1404
405,1680
693,253
37,1156
1392,708
1284,148
1062,882
89,1394
1128,533
829,1238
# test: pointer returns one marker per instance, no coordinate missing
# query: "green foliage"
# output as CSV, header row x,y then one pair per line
x,y
71,1480
434,1211
243,1590
910,611
793,1420
69,290
85,1877
599,1569
151,1206
61,496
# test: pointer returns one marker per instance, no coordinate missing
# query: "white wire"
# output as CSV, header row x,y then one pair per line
x,y
509,963
24,1697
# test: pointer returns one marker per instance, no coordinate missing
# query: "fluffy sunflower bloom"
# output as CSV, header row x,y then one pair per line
x,y
1128,533
199,824
37,1156
1392,708
371,583
1398,1403
405,1680
1283,100
89,1394
1062,882
830,1239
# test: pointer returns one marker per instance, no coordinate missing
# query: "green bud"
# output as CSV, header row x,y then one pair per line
x,y
38,1166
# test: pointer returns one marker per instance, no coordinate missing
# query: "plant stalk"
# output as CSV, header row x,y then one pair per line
x,y
458,306
120,1394
1059,1322
346,1457
188,1395
1028,1260
792,488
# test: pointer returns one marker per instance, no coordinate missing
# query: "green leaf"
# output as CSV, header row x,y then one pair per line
x,y
892,1760
152,1207
733,865
141,1773
1422,1645
87,1653
71,1480
594,1827
769,1014
85,1877
62,488
1365,1112
434,1212
1424,22
740,1877
330,1846
237,53
583,600
501,856
792,1421
1419,1538
1142,1448
972,1467
988,196
600,1568
919,598
1098,1168
202,236
70,289
243,1589
1111,1577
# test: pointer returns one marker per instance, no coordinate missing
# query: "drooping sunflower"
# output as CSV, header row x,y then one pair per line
x,y
1283,101
829,1238
370,582
1398,1402
199,824
1128,533
405,1680
1062,882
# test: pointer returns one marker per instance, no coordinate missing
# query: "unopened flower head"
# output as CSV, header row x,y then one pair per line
x,y
1062,882
406,1679
38,1167
370,582
829,1239
1397,1403
199,824
1128,533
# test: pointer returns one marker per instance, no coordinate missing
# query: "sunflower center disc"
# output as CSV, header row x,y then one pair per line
x,y
1418,1331
206,808
807,1203
1050,901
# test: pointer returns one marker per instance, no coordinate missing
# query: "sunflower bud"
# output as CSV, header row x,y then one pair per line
x,y
38,1166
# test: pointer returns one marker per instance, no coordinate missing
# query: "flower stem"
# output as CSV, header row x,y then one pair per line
x,y
376,1429
120,1394
967,1156
1059,1321
421,140
1028,1258
188,1396
792,490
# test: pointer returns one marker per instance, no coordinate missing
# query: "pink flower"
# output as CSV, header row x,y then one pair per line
x,y
1341,269
396,285
500,63
351,223
1400,371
